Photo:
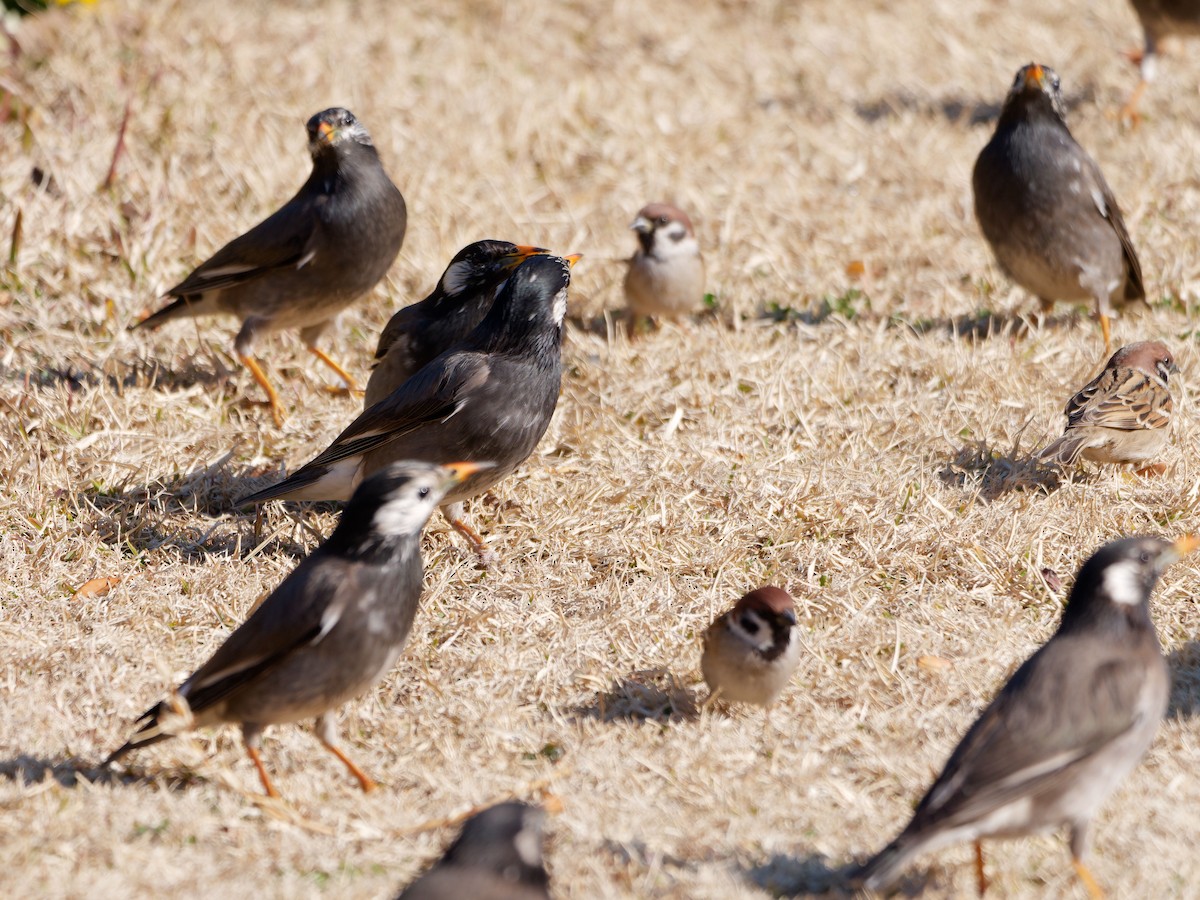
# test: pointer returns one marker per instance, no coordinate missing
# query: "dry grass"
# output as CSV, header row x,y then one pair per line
x,y
863,459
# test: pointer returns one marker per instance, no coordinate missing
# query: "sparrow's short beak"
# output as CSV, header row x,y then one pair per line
x,y
522,253
460,471
1173,368
789,616
1178,551
573,258
1035,77
642,225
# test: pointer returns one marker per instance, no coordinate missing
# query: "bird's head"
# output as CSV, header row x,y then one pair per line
x,y
1116,581
1150,357
333,129
764,619
1035,91
505,839
483,265
661,224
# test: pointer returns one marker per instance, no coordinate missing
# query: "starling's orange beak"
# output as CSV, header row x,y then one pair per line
x,y
1035,77
522,253
1186,545
573,258
326,133
460,471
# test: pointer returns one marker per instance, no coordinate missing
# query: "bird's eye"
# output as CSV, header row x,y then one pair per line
x,y
1144,556
664,220
423,493
750,623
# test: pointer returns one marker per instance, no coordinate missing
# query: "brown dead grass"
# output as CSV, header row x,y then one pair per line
x,y
864,459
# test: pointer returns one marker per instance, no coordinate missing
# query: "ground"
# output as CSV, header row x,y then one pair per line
x,y
850,422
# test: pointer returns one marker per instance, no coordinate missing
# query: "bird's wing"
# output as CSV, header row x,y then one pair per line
x,y
435,393
298,613
1123,399
287,238
1106,204
397,326
1059,708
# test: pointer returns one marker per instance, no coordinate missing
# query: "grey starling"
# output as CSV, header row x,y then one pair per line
x,y
1160,19
1069,725
326,247
329,632
491,397
497,856
464,294
1046,210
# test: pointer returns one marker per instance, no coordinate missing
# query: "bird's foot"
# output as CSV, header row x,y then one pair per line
x,y
1154,470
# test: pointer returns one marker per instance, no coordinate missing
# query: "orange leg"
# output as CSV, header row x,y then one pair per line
x,y
363,779
324,357
1129,112
980,875
261,377
1093,888
256,758
1106,329
454,515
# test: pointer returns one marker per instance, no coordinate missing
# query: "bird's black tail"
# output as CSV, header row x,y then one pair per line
x,y
150,727
882,871
187,305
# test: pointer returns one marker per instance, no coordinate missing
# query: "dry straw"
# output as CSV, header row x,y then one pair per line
x,y
856,448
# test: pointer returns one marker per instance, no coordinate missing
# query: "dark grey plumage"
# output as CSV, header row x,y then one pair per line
x,y
465,292
497,856
1064,731
331,630
1046,210
491,397
326,247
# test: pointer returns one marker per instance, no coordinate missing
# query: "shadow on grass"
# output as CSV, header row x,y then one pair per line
x,y
985,324
802,876
119,374
990,473
1184,663
956,110
653,695
28,771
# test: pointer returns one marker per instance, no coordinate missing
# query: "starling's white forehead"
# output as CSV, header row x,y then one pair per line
x,y
1123,582
403,513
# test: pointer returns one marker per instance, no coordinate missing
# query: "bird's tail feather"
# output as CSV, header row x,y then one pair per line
x,y
183,307
883,870
1064,451
164,720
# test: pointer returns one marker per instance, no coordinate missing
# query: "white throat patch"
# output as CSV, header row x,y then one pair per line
x,y
559,311
1123,582
528,847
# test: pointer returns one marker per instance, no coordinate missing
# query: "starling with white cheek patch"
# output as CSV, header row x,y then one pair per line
x,y
489,398
326,247
327,634
1066,729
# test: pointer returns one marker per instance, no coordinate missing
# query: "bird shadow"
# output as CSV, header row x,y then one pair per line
x,y
141,517
990,473
956,110
119,374
651,695
985,324
784,875
68,772
1184,663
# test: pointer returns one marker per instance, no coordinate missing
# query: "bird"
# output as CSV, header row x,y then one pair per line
x,y
496,856
1160,19
1069,725
491,397
300,267
1045,209
666,274
419,332
1123,414
751,651
332,629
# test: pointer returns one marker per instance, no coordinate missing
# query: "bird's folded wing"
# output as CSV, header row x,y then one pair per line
x,y
397,326
1122,399
1050,716
435,393
1106,204
298,613
288,238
